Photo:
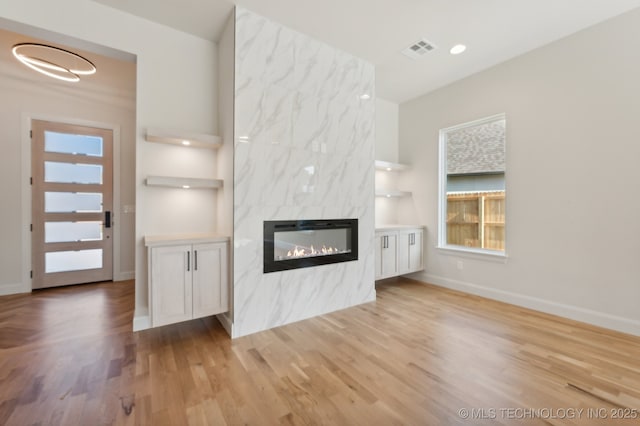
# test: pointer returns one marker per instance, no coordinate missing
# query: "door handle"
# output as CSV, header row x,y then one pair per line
x,y
188,261
107,219
195,260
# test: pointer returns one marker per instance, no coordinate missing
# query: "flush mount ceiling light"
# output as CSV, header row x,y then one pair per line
x,y
458,49
53,61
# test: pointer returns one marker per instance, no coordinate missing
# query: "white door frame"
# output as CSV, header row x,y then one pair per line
x,y
26,190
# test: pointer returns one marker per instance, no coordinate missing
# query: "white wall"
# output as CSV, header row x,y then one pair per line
x,y
226,96
309,155
572,111
387,130
387,145
176,88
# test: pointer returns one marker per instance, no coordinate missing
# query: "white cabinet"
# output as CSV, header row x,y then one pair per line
x,y
386,254
210,283
409,251
399,250
188,278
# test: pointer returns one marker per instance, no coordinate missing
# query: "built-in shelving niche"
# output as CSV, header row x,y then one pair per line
x,y
392,193
195,140
391,167
187,140
181,182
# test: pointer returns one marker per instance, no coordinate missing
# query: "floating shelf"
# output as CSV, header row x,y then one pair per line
x,y
390,167
183,139
186,183
392,193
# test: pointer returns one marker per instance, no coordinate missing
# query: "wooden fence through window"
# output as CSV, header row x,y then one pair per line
x,y
476,219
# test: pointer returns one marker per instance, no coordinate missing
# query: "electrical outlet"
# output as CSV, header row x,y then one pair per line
x,y
460,265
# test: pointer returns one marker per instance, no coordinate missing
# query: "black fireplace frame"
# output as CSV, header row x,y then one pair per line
x,y
270,265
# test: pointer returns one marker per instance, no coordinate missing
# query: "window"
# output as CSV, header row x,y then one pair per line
x,y
472,186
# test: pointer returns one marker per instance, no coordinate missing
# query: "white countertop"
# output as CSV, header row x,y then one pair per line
x,y
397,227
174,239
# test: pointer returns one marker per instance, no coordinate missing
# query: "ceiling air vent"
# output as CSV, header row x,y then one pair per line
x,y
419,48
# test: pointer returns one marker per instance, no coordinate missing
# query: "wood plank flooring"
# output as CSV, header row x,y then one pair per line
x,y
419,355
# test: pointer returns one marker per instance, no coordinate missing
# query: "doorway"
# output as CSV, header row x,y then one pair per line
x,y
72,204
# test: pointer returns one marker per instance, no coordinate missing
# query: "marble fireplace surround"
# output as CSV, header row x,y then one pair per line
x,y
303,148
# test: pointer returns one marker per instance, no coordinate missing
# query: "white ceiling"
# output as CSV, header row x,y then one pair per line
x,y
378,30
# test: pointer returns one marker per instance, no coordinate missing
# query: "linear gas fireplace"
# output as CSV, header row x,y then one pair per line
x,y
292,244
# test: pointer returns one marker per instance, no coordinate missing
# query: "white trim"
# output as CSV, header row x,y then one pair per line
x,y
600,319
25,149
473,253
116,214
7,289
141,322
442,189
125,276
225,320
27,118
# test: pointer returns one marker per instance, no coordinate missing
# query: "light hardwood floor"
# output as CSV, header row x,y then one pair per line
x,y
419,355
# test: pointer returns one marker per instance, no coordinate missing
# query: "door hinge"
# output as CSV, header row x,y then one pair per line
x,y
31,274
31,227
30,181
31,134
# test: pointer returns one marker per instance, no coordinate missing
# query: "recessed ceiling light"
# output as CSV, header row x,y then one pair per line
x,y
186,186
388,169
365,97
458,49
186,143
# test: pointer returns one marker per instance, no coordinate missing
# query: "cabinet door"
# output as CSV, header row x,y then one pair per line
x,y
404,247
389,261
210,279
170,284
410,252
416,252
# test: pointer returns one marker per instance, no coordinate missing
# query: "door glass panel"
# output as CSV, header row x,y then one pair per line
x,y
70,202
61,232
72,173
73,144
61,261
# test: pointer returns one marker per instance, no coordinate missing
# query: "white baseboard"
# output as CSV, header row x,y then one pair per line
x,y
225,320
600,319
125,276
7,289
141,322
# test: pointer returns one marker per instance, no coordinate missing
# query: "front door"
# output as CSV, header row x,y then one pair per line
x,y
72,197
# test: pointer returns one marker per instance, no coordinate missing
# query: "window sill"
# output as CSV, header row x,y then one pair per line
x,y
474,253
